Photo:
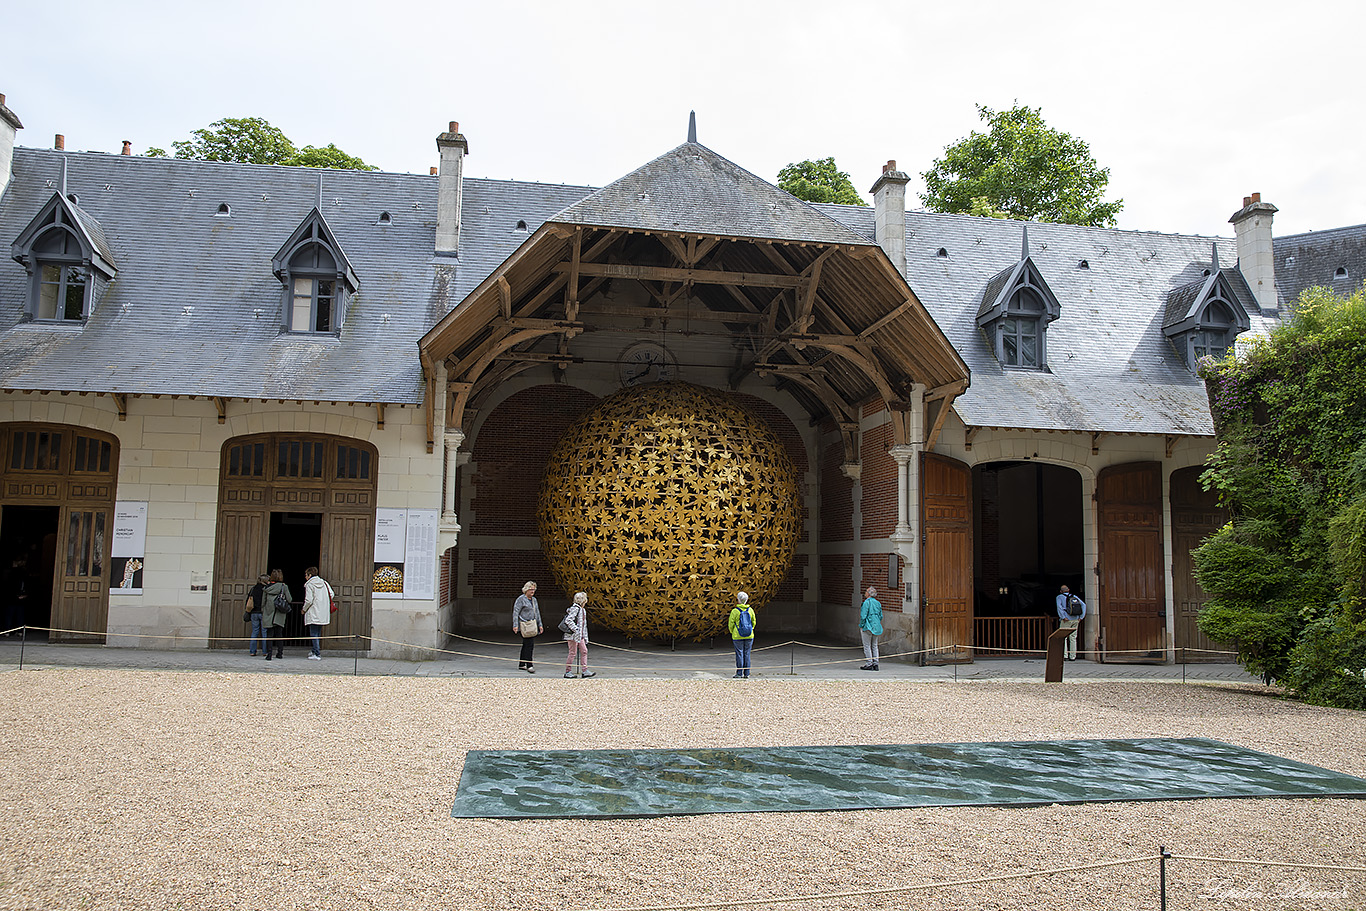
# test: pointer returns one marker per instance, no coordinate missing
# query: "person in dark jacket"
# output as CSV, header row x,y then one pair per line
x,y
274,619
255,598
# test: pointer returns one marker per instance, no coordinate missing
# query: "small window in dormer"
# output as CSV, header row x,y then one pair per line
x,y
1340,272
1083,265
385,219
942,252
224,210
521,225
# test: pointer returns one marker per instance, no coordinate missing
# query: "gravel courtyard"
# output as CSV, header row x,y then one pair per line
x,y
206,790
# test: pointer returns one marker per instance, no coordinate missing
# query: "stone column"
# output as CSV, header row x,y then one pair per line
x,y
452,440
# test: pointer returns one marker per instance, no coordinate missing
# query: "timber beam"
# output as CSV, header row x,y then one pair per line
x,y
697,276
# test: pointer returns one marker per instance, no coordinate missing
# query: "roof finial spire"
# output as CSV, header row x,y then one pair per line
x,y
63,177
692,126
1024,249
1214,256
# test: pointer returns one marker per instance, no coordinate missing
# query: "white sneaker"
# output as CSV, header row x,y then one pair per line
x,y
315,657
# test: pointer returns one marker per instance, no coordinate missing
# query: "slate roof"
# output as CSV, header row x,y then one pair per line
x,y
693,190
1307,260
1110,368
195,309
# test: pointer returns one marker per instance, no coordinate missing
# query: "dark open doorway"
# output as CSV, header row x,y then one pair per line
x,y
1028,529
295,543
28,536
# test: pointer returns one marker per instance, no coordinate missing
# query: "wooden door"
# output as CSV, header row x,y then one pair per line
x,y
79,608
946,560
241,557
1196,514
1132,596
348,563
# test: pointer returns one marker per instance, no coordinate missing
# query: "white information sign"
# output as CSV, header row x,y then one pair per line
x,y
419,572
391,526
128,551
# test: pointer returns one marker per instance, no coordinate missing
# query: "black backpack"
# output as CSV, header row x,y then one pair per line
x,y
1073,607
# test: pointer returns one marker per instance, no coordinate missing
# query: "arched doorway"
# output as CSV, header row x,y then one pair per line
x,y
290,501
57,487
1028,528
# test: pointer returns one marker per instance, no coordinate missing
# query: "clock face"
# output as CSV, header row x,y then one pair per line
x,y
646,362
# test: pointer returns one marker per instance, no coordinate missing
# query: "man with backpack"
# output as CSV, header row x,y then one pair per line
x,y
742,634
1071,611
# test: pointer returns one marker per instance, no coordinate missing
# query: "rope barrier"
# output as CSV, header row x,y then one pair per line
x,y
868,893
975,881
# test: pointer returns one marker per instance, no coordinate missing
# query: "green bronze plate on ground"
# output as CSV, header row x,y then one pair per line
x,y
629,783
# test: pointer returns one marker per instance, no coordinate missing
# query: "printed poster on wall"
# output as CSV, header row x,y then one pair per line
x,y
128,552
405,554
391,536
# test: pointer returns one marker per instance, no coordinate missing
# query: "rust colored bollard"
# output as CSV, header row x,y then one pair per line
x,y
1052,669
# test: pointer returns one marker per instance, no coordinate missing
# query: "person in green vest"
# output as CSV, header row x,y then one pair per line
x,y
742,633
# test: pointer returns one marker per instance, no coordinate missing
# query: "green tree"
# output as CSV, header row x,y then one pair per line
x,y
819,181
1287,576
254,140
1020,168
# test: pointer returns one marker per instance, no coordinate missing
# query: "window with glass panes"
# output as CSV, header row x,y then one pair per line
x,y
312,304
61,281
1021,331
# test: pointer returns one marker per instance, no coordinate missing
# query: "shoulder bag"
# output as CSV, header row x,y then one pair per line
x,y
527,628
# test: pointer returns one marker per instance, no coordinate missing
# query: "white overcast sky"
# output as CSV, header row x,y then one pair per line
x,y
1192,104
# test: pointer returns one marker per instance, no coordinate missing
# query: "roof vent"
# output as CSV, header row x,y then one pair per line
x,y
1340,272
224,210
74,198
1205,273
942,252
521,225
385,219
1083,265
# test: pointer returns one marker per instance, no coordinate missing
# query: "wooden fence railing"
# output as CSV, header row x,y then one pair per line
x,y
1004,637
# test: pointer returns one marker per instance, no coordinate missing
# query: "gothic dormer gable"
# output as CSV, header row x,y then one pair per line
x,y
316,277
64,231
1203,317
1016,307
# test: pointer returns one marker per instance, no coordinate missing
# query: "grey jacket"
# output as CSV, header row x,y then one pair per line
x,y
526,608
270,616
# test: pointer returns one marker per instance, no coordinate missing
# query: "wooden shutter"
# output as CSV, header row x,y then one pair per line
x,y
1132,595
946,564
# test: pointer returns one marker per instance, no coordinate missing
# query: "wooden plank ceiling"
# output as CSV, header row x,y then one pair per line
x,y
832,324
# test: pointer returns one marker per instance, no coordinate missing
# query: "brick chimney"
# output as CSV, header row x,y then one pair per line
x,y
127,147
59,142
889,214
9,126
449,189
1252,224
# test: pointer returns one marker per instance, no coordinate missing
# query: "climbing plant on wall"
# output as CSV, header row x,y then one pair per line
x,y
1287,576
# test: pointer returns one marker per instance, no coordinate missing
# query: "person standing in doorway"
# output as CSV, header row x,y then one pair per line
x,y
576,636
255,598
526,622
271,616
1071,611
870,627
317,609
742,633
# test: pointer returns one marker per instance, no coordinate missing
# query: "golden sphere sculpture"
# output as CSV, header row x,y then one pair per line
x,y
661,503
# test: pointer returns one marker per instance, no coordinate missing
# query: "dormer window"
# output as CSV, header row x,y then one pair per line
x,y
68,262
316,277
1017,306
1203,317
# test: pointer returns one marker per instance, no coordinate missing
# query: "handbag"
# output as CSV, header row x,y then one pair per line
x,y
565,626
528,628
246,616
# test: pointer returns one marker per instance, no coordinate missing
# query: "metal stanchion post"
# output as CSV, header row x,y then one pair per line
x,y
355,656
1163,854
23,637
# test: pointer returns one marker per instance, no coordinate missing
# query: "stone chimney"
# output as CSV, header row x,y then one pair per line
x,y
449,189
889,218
1256,260
127,147
9,126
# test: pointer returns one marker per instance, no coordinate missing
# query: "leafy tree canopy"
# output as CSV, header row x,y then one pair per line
x,y
819,181
254,140
1287,576
1020,168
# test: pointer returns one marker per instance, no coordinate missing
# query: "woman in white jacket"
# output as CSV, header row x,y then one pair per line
x,y
575,626
317,609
